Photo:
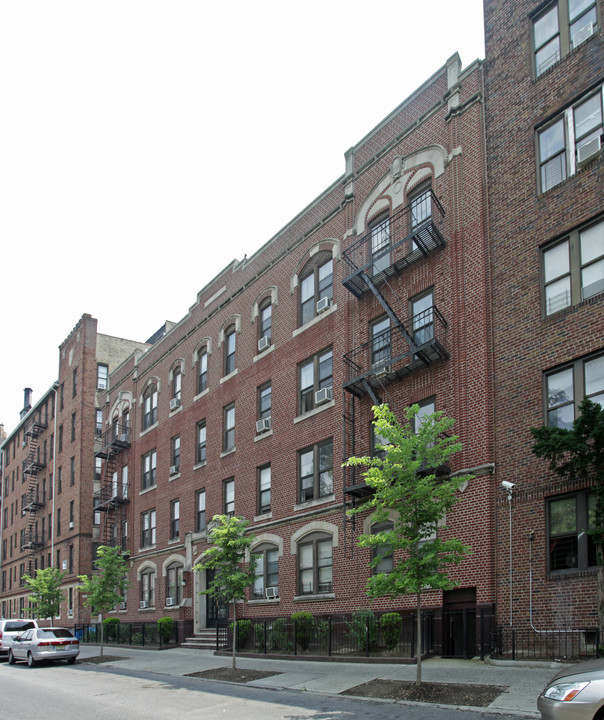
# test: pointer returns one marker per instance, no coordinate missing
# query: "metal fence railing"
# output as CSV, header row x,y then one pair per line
x,y
560,644
142,634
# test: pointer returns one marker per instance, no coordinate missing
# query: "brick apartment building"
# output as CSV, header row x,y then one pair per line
x,y
49,468
544,82
377,291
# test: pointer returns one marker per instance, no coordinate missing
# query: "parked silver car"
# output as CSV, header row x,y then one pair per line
x,y
575,693
51,643
9,628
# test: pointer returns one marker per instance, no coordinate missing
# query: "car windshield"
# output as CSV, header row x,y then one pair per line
x,y
18,626
54,633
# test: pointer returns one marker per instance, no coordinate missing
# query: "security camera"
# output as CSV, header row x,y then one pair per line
x,y
508,485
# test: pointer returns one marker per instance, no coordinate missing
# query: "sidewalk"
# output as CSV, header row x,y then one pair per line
x,y
524,681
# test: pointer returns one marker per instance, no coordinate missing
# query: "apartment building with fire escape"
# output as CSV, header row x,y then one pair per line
x,y
378,291
48,517
545,85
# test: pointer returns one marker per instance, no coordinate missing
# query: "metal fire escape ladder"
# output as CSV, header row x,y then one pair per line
x,y
31,499
109,501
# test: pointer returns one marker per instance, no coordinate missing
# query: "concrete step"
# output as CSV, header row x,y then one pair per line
x,y
205,640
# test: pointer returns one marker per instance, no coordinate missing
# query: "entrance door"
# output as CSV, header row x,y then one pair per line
x,y
215,609
459,623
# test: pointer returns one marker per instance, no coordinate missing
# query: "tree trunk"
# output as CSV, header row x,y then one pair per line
x,y
418,641
234,634
102,626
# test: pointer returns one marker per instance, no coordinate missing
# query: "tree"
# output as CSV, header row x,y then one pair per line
x,y
106,586
407,477
226,555
46,592
578,453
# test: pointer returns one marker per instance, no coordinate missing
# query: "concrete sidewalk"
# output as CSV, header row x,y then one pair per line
x,y
524,680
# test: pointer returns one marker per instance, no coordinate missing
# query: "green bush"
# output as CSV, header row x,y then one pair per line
x,y
361,628
390,625
321,633
165,625
303,622
137,639
279,637
111,628
259,637
244,627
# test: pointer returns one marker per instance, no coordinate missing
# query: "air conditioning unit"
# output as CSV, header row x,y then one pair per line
x,y
272,592
124,437
173,469
323,304
174,403
263,343
70,612
263,425
122,606
143,604
380,369
64,564
582,34
588,150
170,601
323,395
71,525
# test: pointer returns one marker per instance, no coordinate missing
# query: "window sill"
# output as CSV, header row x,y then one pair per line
x,y
229,376
571,573
147,430
263,517
312,503
264,353
144,491
228,452
315,320
315,411
263,435
147,609
264,601
169,608
175,411
315,598
201,394
174,541
147,548
175,476
200,465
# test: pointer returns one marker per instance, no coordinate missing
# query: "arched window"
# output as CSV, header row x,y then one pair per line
x,y
202,373
265,324
316,286
266,584
150,406
380,242
315,564
381,555
176,386
230,346
147,588
174,580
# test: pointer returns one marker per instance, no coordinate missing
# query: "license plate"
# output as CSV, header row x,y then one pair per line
x,y
59,647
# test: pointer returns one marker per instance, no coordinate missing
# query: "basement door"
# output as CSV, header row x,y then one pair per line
x,y
459,623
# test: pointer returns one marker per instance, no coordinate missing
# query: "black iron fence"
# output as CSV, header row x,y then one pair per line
x,y
358,635
144,634
527,644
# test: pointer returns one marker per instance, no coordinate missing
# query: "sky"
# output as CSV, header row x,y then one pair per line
x,y
144,145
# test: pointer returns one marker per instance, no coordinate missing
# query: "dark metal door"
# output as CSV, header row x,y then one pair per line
x,y
215,609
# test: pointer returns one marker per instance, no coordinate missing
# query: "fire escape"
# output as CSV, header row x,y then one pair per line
x,y
399,345
31,500
112,497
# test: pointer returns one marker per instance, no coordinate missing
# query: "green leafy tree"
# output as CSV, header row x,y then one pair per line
x,y
578,453
407,479
46,592
226,556
106,586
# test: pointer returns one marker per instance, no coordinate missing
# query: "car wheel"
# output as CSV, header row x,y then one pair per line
x,y
30,660
71,661
11,658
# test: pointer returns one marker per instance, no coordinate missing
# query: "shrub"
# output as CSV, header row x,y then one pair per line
x,y
244,628
111,628
321,632
137,638
390,625
361,630
303,623
279,637
259,637
165,625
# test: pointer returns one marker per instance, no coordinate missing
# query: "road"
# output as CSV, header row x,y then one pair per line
x,y
62,692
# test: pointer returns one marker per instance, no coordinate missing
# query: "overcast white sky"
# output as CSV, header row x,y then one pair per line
x,y
144,145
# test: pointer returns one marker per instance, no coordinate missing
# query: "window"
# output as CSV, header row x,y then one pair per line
x,y
570,140
102,376
382,554
72,471
230,345
175,454
200,442
71,511
559,28
60,439
200,511
566,387
381,343
264,489
150,406
267,572
573,269
315,471
58,522
422,311
265,325
147,588
314,374
174,520
229,428
264,401
315,565
149,463
98,428
176,385
380,243
74,386
202,377
73,427
427,407
148,525
570,518
316,285
174,580
229,497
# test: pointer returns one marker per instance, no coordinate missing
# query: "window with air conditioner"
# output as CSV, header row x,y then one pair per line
x,y
314,374
315,287
266,584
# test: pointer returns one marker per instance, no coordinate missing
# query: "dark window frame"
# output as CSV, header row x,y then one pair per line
x,y
264,489
312,491
320,378
267,555
314,286
318,585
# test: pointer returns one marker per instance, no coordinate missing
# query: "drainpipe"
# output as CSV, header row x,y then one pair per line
x,y
55,388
